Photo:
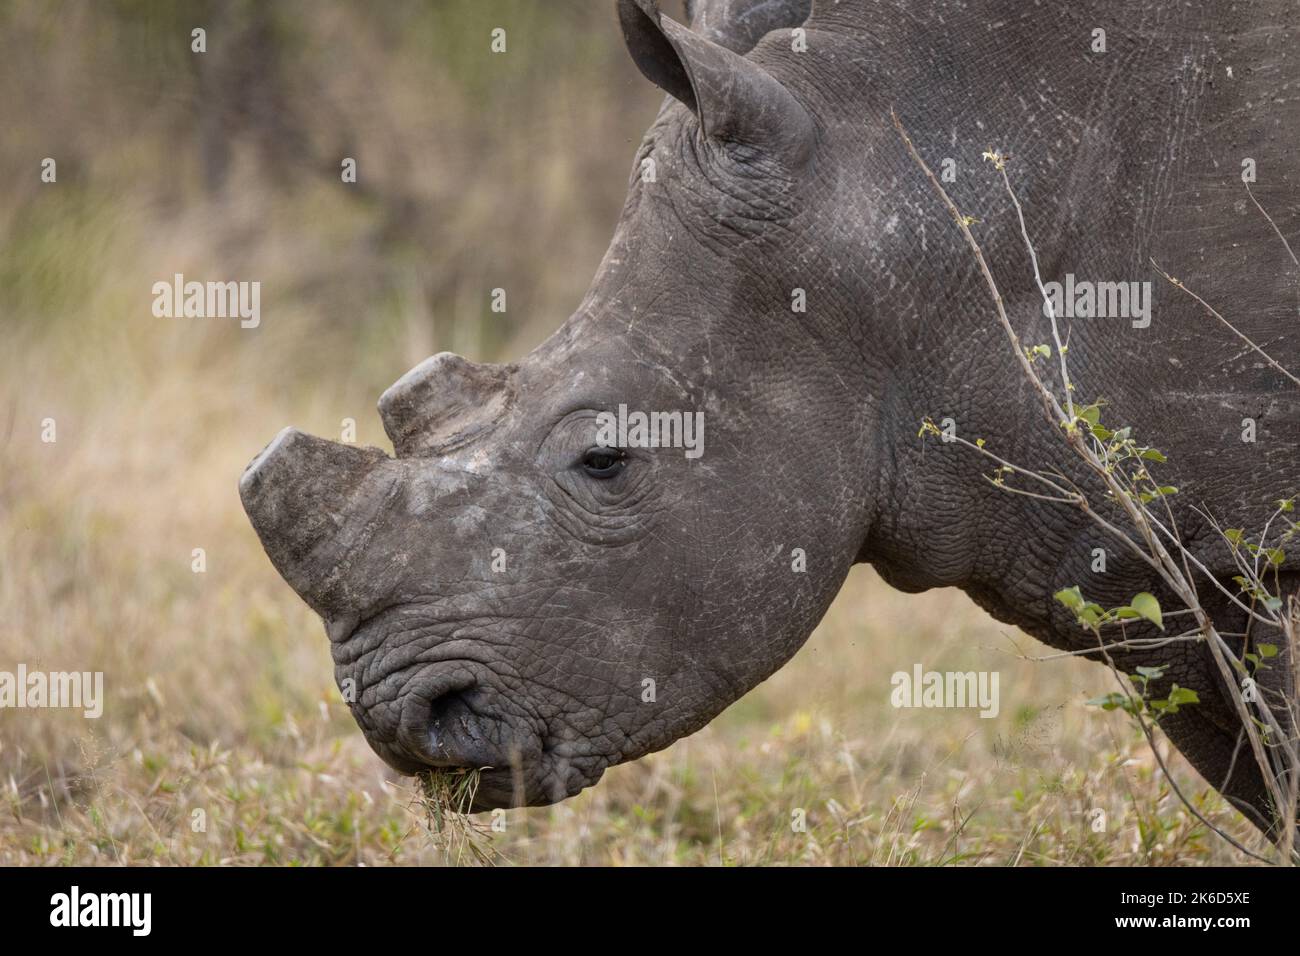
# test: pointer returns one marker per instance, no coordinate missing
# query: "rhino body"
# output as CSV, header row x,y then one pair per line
x,y
507,592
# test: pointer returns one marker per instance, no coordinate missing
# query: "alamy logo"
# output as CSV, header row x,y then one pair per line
x,y
651,430
1103,300
208,300
946,689
77,689
103,909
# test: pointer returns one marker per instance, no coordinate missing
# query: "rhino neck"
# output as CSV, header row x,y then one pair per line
x,y
1117,158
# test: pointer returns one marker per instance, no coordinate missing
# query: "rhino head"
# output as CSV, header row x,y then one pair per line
x,y
516,592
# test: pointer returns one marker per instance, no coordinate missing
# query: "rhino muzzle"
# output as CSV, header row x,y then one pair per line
x,y
379,547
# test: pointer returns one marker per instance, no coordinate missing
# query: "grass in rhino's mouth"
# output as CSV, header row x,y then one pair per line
x,y
445,798
447,792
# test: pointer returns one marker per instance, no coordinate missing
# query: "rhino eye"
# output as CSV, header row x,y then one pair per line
x,y
601,462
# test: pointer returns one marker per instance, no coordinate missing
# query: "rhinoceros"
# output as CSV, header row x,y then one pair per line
x,y
511,592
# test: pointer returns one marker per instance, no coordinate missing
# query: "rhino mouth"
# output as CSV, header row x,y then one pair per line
x,y
457,712
515,766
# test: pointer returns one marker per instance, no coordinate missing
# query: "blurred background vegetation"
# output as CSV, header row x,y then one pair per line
x,y
475,171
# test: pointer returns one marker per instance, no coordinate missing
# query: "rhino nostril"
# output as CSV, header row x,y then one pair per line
x,y
455,735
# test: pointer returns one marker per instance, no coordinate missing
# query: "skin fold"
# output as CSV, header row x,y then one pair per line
x,y
494,600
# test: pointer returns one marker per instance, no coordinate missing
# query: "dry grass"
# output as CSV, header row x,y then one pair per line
x,y
445,797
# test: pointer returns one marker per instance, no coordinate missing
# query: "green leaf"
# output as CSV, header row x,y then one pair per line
x,y
1070,597
1182,695
1235,536
1152,673
1147,606
1109,701
1267,650
1090,615
1151,454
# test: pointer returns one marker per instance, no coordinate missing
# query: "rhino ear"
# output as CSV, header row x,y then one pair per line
x,y
735,100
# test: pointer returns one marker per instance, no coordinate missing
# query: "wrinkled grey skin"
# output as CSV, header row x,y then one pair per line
x,y
779,170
